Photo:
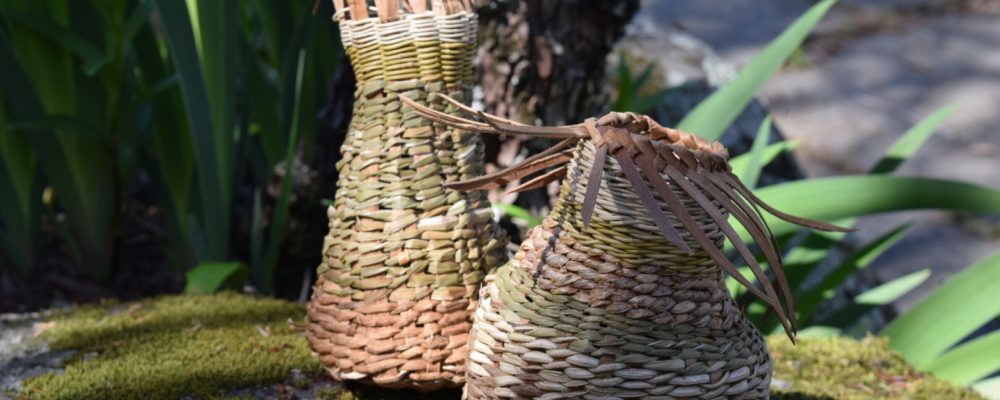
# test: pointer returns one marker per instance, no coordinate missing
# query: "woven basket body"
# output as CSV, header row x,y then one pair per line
x,y
613,311
404,257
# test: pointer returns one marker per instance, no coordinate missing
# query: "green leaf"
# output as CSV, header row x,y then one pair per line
x,y
736,288
19,201
911,141
62,123
266,112
136,20
802,259
808,301
989,388
218,35
277,23
891,291
625,88
819,331
211,277
517,212
276,237
40,78
847,316
210,136
646,103
949,314
171,158
256,233
831,199
713,115
861,259
969,361
628,90
806,255
751,171
817,245
768,154
90,55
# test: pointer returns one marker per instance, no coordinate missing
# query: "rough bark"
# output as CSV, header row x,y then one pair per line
x,y
544,61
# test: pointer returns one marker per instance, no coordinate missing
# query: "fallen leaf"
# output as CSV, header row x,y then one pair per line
x,y
41,327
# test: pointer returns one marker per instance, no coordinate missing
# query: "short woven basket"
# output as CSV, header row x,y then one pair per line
x,y
620,292
405,256
613,311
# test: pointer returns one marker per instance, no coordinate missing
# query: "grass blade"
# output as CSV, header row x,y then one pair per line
x,y
832,199
751,171
768,154
171,159
969,362
878,296
861,259
40,79
911,141
891,291
949,314
713,115
276,235
63,123
819,331
214,276
989,388
19,201
90,54
213,171
256,233
802,259
517,212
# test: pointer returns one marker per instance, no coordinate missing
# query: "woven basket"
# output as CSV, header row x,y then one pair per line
x,y
613,311
620,292
405,256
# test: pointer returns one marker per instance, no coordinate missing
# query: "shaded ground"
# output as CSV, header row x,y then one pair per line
x,y
237,346
872,69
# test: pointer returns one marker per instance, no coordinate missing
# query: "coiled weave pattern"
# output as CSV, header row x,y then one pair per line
x,y
405,256
613,311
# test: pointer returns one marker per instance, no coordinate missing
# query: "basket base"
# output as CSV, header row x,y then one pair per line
x,y
561,321
420,345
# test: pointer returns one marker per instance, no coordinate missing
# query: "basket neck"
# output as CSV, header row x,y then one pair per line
x,y
425,47
621,225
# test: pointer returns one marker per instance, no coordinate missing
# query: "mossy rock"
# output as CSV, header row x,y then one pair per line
x,y
845,368
173,346
226,345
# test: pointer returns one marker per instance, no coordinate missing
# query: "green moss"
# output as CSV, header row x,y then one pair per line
x,y
843,368
208,345
173,346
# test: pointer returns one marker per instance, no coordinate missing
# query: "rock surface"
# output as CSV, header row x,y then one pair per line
x,y
22,354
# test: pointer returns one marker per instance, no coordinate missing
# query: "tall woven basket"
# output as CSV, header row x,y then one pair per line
x,y
405,256
620,292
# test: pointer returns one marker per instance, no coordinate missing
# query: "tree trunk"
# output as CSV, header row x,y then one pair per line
x,y
543,62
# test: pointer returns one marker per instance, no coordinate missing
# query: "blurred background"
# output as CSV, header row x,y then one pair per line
x,y
870,70
151,147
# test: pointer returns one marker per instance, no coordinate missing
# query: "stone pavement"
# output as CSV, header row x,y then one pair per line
x,y
872,69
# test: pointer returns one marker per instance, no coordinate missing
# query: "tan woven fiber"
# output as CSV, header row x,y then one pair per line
x,y
620,292
404,256
613,311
